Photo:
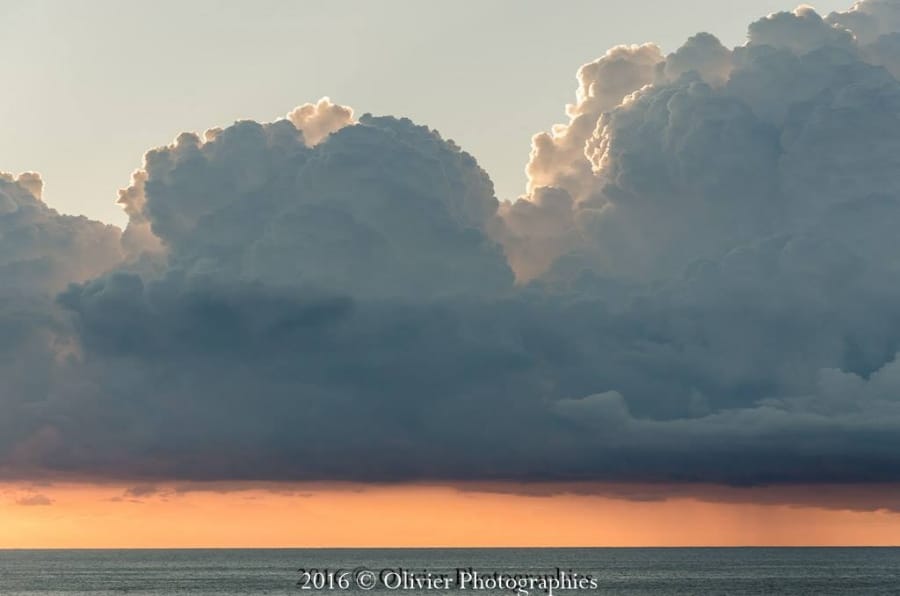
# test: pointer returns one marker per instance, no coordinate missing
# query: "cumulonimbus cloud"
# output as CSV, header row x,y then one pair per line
x,y
700,284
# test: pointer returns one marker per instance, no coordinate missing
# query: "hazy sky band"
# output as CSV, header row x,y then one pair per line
x,y
70,515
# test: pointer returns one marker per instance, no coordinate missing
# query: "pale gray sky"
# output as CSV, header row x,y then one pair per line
x,y
91,85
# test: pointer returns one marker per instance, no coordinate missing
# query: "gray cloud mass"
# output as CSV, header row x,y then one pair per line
x,y
700,284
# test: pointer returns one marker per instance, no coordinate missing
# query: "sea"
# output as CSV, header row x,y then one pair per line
x,y
460,572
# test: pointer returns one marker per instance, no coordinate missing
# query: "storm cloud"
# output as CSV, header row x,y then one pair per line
x,y
701,284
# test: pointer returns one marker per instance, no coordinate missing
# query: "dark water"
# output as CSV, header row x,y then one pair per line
x,y
615,571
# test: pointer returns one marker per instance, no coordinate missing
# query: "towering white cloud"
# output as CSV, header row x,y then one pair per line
x,y
709,287
869,19
318,120
702,55
383,207
707,148
800,31
557,158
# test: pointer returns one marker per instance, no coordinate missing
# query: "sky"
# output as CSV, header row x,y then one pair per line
x,y
395,287
323,516
124,78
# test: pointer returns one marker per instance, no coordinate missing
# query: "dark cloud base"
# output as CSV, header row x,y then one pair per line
x,y
708,289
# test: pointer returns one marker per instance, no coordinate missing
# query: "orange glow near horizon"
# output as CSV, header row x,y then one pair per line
x,y
104,516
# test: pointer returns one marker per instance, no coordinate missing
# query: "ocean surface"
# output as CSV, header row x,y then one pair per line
x,y
642,571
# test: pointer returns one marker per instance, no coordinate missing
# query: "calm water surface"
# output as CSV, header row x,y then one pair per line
x,y
617,571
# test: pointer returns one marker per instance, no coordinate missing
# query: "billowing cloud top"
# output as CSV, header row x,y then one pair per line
x,y
384,208
701,283
41,250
